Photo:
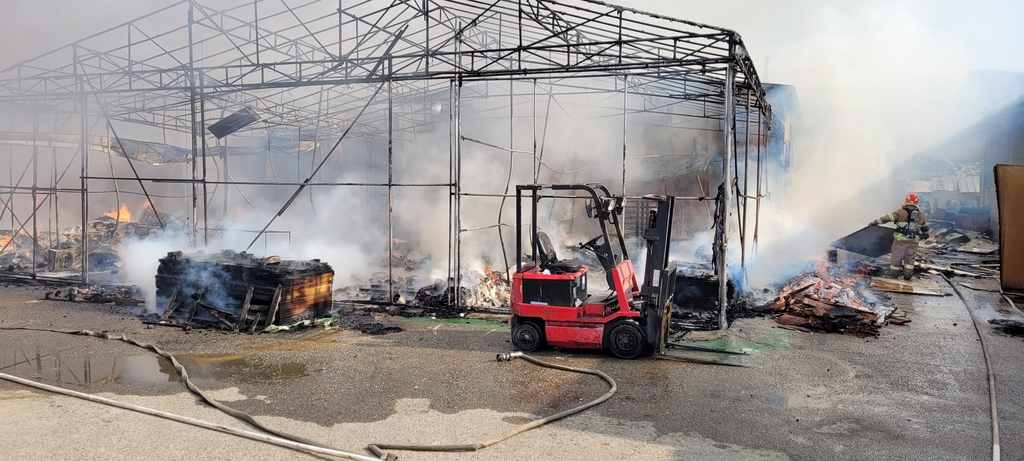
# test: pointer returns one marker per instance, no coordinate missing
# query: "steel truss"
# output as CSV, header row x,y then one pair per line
x,y
321,71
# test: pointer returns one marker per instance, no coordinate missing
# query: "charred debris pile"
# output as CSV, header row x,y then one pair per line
x,y
832,298
240,292
61,250
482,292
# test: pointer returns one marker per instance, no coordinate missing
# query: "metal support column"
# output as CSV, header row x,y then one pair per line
x,y
35,185
84,107
730,146
746,179
202,137
391,196
625,101
195,126
757,203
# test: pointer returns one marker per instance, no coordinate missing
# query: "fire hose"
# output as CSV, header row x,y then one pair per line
x,y
292,441
988,368
378,448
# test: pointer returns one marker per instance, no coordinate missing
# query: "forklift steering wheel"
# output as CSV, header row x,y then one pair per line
x,y
590,243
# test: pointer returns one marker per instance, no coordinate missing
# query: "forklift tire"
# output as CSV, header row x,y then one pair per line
x,y
626,340
527,336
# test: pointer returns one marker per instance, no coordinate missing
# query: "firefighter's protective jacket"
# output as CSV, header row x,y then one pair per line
x,y
901,218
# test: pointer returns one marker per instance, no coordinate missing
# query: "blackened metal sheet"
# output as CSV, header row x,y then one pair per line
x,y
1010,195
873,241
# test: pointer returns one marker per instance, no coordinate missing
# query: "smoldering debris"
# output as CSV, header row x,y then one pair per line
x,y
121,295
62,250
695,301
480,291
832,298
239,292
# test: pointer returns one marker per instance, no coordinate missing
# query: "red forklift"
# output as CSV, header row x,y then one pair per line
x,y
550,302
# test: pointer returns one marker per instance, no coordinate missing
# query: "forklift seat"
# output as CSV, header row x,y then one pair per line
x,y
549,260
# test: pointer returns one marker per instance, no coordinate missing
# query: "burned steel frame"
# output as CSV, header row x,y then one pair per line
x,y
184,61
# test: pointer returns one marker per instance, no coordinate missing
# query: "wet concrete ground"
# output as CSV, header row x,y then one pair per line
x,y
917,392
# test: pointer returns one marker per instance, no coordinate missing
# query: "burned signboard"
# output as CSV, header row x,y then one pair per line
x,y
241,292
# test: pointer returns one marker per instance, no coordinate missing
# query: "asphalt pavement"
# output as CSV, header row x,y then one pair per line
x,y
917,392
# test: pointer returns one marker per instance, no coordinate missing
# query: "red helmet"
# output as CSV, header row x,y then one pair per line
x,y
911,198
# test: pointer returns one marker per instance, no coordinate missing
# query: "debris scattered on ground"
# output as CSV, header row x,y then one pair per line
x,y
828,299
983,285
947,238
103,294
917,287
1012,326
486,291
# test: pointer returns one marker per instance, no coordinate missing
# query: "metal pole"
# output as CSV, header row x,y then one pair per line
x,y
757,203
391,196
458,169
195,140
202,136
625,97
730,137
84,106
458,189
536,163
451,176
746,178
35,185
226,178
55,243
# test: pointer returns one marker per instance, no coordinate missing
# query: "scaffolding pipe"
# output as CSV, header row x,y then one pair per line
x,y
195,125
746,179
757,203
202,136
391,196
84,106
625,105
35,185
730,137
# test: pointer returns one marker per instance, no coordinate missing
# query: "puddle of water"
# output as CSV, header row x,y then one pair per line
x,y
778,339
151,371
775,400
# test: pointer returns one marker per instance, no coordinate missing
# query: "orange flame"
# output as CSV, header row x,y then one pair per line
x,y
493,275
125,215
399,241
6,240
22,232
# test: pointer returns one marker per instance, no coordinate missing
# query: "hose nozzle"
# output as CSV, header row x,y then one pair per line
x,y
508,356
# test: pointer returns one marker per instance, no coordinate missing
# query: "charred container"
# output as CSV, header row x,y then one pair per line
x,y
223,280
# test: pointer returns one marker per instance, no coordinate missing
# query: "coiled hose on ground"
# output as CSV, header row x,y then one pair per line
x,y
292,441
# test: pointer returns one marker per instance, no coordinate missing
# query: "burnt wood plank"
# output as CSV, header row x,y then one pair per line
x,y
170,304
274,305
245,309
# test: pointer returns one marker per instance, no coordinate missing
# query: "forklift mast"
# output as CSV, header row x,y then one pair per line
x,y
659,274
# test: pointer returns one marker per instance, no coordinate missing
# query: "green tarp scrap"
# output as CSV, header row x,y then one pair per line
x,y
327,322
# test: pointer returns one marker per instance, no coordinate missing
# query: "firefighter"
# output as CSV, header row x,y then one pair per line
x,y
910,229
